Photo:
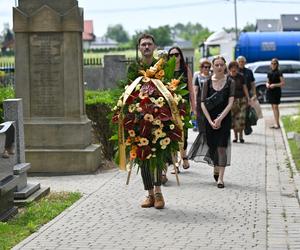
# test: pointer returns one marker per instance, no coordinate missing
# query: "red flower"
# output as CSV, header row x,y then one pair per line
x,y
147,106
129,121
132,97
143,152
164,113
182,109
175,134
145,128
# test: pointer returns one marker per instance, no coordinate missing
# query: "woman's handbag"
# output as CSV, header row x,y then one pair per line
x,y
251,116
214,100
255,104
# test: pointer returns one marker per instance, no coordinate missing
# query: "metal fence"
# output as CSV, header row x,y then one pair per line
x,y
92,61
7,74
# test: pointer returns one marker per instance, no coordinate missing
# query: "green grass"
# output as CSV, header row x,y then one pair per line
x,y
7,59
33,216
292,124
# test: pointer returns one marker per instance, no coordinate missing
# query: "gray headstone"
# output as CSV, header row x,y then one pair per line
x,y
114,70
13,111
49,79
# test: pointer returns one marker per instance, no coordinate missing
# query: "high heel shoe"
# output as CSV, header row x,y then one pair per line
x,y
220,185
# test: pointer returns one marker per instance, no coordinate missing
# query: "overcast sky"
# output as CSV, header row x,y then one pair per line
x,y
138,15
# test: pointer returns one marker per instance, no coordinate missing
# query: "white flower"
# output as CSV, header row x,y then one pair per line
x,y
148,117
172,126
131,108
131,133
143,141
156,122
160,99
149,156
152,99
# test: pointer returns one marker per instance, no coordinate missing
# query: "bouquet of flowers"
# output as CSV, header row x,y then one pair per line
x,y
151,114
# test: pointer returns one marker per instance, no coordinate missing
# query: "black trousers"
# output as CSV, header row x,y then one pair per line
x,y
150,179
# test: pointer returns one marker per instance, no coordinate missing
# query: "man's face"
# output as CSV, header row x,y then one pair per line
x,y
147,47
241,63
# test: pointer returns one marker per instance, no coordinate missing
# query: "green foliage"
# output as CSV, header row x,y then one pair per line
x,y
33,216
117,32
191,32
162,35
98,110
169,69
5,93
249,27
292,124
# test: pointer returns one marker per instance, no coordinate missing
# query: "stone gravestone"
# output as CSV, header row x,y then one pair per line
x,y
25,192
49,66
8,182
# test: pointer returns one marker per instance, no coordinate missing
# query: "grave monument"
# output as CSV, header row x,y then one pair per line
x,y
49,79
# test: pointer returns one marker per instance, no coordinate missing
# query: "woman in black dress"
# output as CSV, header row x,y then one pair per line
x,y
274,84
213,147
182,70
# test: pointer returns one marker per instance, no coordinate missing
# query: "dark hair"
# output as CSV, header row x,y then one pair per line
x,y
182,61
277,63
146,36
218,57
233,64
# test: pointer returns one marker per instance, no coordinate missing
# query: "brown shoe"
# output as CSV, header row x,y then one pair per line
x,y
149,202
159,202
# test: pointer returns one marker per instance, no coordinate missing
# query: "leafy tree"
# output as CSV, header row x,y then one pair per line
x,y
162,35
191,32
117,33
249,27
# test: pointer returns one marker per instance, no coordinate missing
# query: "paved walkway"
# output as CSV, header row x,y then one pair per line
x,y
258,209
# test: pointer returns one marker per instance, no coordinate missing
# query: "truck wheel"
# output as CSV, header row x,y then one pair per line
x,y
261,93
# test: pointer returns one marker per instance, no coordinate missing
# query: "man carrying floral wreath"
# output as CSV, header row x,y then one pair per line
x,y
150,114
147,46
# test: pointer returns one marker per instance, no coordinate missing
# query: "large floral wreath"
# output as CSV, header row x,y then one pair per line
x,y
151,114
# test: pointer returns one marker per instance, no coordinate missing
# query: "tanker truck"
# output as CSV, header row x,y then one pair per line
x,y
263,46
255,46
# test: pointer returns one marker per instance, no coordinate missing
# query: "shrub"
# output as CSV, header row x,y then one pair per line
x,y
5,93
98,109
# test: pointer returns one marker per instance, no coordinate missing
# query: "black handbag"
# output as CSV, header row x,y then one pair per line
x,y
214,100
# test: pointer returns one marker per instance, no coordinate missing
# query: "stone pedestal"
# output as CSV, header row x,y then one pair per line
x,y
8,183
48,47
13,111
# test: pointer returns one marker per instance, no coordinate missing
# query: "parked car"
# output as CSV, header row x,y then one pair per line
x,y
291,74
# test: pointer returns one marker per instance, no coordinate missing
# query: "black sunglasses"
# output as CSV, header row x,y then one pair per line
x,y
175,54
205,67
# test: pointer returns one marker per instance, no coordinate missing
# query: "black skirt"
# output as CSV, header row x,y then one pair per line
x,y
274,95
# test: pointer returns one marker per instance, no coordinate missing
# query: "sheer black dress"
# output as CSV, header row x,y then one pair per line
x,y
213,146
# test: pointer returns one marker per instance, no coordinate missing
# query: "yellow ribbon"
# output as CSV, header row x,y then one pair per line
x,y
122,146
